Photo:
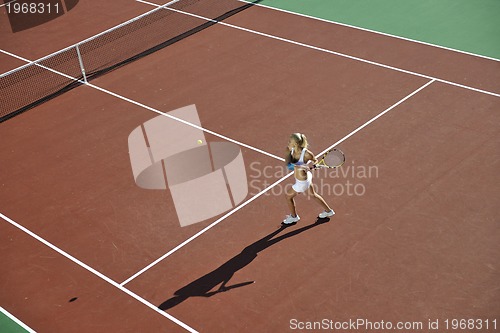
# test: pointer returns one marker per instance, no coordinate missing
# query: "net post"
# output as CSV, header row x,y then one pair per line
x,y
80,60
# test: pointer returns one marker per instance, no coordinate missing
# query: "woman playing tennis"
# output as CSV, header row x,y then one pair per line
x,y
297,158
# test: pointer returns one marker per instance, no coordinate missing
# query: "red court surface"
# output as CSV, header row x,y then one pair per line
x,y
415,236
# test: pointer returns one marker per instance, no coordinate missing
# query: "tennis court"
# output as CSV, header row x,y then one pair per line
x,y
86,248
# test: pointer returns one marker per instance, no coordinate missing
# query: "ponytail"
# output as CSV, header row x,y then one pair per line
x,y
304,143
300,139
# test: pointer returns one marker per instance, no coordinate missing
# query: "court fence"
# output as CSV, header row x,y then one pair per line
x,y
38,81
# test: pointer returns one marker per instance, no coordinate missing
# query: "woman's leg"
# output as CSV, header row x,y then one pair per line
x,y
290,200
318,198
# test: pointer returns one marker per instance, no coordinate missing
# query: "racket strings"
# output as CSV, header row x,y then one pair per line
x,y
334,158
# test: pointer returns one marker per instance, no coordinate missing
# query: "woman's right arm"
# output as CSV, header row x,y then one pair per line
x,y
288,156
288,159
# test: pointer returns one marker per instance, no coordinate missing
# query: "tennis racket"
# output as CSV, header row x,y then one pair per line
x,y
334,158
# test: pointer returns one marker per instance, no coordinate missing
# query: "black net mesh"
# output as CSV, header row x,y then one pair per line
x,y
35,83
27,86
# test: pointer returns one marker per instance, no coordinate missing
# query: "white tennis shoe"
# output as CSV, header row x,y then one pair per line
x,y
289,219
325,214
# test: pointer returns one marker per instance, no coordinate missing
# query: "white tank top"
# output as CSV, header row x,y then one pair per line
x,y
301,159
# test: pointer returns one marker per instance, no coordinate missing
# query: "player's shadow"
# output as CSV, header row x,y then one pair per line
x,y
202,286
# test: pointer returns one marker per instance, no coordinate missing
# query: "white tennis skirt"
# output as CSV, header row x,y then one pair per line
x,y
301,186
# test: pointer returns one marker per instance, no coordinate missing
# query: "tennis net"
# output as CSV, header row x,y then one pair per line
x,y
39,81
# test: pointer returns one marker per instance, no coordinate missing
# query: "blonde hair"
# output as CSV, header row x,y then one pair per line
x,y
300,139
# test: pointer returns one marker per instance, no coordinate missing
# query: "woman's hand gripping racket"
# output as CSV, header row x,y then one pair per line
x,y
334,158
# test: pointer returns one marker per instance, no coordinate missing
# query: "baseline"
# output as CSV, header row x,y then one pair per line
x,y
326,50
372,31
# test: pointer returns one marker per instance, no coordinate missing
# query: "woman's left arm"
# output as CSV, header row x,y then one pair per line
x,y
310,160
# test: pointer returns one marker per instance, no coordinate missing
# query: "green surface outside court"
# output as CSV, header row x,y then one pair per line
x,y
7,325
471,26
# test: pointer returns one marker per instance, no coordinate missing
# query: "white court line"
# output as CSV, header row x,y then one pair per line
x,y
29,63
376,117
268,188
89,38
370,30
98,274
17,321
325,50
7,3
186,122
148,107
201,232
